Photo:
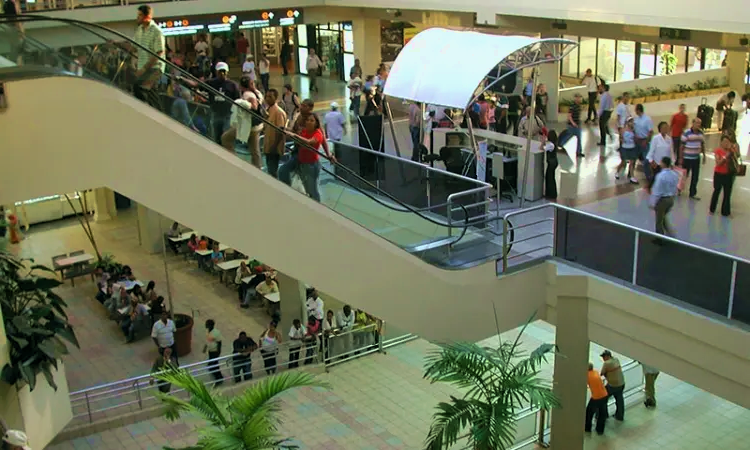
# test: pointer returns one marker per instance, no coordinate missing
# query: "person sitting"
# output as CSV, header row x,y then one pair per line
x,y
135,317
203,243
257,279
217,256
150,294
174,232
268,287
127,274
193,243
242,272
119,299
105,291
137,293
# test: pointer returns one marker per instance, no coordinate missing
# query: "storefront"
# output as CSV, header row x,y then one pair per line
x,y
334,44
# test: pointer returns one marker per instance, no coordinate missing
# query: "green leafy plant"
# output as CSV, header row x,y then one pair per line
x,y
700,85
244,421
668,63
108,264
684,88
639,93
712,83
654,91
567,102
499,382
35,322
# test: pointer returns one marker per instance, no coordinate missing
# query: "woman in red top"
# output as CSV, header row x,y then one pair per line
x,y
678,123
724,173
307,162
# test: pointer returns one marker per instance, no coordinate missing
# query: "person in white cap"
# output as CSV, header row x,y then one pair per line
x,y
15,440
221,107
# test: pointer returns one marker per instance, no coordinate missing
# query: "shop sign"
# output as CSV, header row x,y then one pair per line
x,y
271,18
179,27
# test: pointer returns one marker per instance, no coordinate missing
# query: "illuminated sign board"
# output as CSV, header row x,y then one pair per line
x,y
271,18
228,22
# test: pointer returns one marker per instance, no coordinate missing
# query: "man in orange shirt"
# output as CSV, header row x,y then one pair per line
x,y
597,403
678,123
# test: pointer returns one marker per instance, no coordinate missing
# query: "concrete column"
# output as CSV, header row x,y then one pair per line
x,y
151,228
570,373
367,44
292,294
549,75
104,204
736,65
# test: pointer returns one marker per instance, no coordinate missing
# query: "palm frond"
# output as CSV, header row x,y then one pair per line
x,y
266,390
208,404
449,421
467,365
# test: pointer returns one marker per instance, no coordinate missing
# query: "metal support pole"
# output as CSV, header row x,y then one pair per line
x,y
422,112
474,147
505,245
138,393
531,121
88,407
166,268
542,428
388,112
636,240
730,306
381,335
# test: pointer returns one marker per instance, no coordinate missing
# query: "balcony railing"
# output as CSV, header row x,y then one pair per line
x,y
713,281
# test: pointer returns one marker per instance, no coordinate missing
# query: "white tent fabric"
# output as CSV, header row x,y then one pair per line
x,y
444,67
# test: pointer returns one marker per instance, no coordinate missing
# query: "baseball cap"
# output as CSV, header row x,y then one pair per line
x,y
222,66
17,438
606,353
334,105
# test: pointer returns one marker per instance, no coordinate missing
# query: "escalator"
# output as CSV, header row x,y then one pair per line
x,y
403,241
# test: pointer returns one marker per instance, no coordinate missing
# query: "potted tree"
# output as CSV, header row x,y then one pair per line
x,y
183,336
245,420
498,382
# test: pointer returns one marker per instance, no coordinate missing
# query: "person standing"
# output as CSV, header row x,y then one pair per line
x,y
163,362
242,347
612,371
242,121
549,145
313,65
574,126
334,126
221,108
286,54
693,146
307,163
660,147
163,334
296,336
264,69
356,70
269,347
150,50
662,194
242,46
678,123
415,121
643,127
597,405
213,347
592,87
218,48
355,95
275,139
623,112
650,373
314,305
724,173
606,107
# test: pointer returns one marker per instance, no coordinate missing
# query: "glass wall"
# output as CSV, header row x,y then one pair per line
x,y
616,60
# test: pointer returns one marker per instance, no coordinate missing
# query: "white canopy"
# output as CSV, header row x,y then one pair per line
x,y
445,67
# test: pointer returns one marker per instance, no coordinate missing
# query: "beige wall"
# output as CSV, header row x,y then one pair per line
x,y
302,238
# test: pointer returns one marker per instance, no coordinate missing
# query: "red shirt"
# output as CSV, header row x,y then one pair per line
x,y
724,166
307,156
679,122
242,46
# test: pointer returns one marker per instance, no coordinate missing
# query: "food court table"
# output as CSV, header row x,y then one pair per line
x,y
208,251
226,266
182,237
73,260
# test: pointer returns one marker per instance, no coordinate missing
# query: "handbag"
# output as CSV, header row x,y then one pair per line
x,y
741,168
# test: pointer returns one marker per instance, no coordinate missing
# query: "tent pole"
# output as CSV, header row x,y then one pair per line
x,y
422,112
530,121
393,127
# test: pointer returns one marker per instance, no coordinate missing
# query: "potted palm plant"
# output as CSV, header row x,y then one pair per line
x,y
652,94
639,96
498,382
247,420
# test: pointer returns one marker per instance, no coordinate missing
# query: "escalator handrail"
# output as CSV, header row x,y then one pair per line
x,y
85,26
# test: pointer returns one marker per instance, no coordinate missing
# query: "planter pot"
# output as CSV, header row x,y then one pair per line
x,y
716,91
564,109
183,337
652,98
678,95
638,100
669,96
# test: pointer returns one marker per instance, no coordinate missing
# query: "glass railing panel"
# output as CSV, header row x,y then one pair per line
x,y
595,243
741,294
687,273
527,426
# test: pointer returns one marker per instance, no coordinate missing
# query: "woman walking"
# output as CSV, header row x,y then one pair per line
x,y
269,347
308,161
549,145
628,152
724,172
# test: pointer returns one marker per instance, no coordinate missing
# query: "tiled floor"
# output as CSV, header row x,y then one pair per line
x,y
382,402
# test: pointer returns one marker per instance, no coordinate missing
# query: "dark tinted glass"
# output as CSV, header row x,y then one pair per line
x,y
741,307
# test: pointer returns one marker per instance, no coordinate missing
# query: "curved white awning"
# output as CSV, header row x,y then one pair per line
x,y
445,67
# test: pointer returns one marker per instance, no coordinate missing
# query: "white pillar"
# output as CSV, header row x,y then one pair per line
x,y
737,70
366,44
571,366
151,228
292,294
104,204
549,75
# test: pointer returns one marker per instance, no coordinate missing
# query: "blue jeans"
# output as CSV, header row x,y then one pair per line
x,y
356,103
309,173
220,126
570,132
414,131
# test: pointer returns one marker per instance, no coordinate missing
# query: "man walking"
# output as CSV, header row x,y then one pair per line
x,y
643,127
574,126
163,334
589,80
693,146
334,126
275,139
597,405
213,347
678,123
149,38
221,109
650,373
662,194
606,106
612,371
313,64
242,347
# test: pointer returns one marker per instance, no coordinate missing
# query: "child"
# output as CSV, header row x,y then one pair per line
x,y
628,152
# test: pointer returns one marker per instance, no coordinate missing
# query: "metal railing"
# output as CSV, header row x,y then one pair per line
x,y
137,393
636,256
533,426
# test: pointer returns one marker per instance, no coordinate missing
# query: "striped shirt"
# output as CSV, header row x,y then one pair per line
x,y
692,141
149,38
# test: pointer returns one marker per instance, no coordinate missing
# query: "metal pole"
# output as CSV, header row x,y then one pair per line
x,y
505,245
166,267
88,407
422,112
474,147
531,121
381,335
542,428
387,105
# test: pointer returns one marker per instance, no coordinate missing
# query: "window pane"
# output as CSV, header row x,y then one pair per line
x,y
606,60
625,61
587,56
662,68
693,59
679,53
648,60
714,57
570,62
302,36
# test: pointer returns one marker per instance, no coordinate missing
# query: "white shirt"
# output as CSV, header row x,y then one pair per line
x,y
315,308
660,147
242,120
201,47
248,67
329,326
590,83
623,113
649,370
164,333
295,335
313,62
334,121
345,322
263,67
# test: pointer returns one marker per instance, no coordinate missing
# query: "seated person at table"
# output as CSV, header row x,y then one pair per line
x,y
203,243
242,272
106,291
119,299
267,287
134,317
150,294
137,293
127,274
193,243
217,256
157,307
174,232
